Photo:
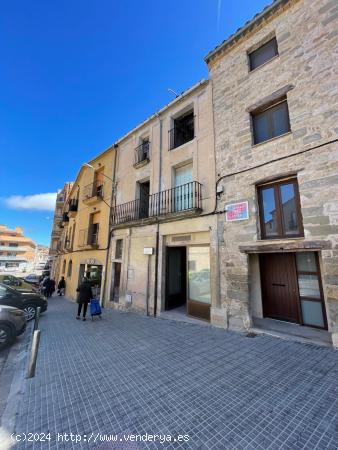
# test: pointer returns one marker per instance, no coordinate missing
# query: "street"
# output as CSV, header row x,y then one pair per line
x,y
129,375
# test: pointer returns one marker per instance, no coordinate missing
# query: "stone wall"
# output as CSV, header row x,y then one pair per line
x,y
307,71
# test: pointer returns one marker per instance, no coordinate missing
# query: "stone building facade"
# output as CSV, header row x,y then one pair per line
x,y
275,102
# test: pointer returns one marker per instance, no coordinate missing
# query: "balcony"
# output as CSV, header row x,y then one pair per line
x,y
13,258
65,219
89,237
142,154
92,193
181,200
9,248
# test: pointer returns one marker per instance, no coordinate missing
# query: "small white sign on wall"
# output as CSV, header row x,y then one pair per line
x,y
148,251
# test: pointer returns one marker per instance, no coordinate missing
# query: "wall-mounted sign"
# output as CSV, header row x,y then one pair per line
x,y
237,211
148,250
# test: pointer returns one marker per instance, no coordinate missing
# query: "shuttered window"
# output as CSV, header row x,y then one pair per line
x,y
263,54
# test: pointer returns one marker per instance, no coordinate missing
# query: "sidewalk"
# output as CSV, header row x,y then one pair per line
x,y
131,374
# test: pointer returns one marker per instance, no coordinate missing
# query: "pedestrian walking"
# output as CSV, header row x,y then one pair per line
x,y
83,298
62,286
47,287
52,287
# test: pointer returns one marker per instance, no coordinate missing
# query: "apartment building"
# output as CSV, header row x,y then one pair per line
x,y
17,251
85,235
162,254
275,99
56,234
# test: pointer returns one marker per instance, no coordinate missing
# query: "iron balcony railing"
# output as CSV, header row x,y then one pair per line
x,y
179,199
142,152
89,236
93,190
73,205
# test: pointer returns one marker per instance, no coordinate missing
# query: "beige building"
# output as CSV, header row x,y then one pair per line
x,y
275,97
163,243
85,224
56,235
17,251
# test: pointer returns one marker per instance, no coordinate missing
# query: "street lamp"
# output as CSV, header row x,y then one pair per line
x,y
93,169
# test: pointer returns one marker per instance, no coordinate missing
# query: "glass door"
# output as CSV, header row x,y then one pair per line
x,y
310,290
183,188
199,294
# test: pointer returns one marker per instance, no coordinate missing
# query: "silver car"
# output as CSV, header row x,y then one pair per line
x,y
12,324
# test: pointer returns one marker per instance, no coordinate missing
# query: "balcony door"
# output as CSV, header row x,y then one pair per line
x,y
144,200
183,188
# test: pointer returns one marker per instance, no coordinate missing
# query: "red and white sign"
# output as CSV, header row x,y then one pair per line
x,y
237,211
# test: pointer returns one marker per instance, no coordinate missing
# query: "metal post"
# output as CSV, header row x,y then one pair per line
x,y
37,318
148,281
34,354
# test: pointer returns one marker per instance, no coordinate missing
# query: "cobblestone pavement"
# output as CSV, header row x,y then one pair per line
x,y
128,374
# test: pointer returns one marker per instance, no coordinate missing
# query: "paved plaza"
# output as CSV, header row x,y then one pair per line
x,y
131,375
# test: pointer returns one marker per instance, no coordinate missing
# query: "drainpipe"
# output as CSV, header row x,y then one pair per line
x,y
158,225
110,231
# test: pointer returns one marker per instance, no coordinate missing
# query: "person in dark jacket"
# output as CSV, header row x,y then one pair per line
x,y
52,287
62,286
84,297
47,286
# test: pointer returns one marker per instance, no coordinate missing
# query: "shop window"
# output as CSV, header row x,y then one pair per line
x,y
310,290
270,121
263,54
279,208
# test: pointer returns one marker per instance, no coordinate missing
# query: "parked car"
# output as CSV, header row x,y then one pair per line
x,y
12,324
32,278
17,283
27,301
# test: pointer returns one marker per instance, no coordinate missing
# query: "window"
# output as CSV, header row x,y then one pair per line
x,y
271,121
64,266
279,206
183,130
263,54
142,151
98,182
70,268
310,290
118,249
93,231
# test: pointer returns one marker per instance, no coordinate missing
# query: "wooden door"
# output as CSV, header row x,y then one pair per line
x,y
279,286
117,278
